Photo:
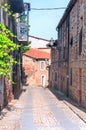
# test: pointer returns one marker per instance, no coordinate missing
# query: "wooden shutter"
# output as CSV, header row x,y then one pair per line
x,y
80,41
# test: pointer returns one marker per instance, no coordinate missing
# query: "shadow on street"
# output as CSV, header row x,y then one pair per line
x,y
63,97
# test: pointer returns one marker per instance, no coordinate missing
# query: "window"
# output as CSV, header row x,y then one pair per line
x,y
71,41
42,65
59,53
55,76
47,62
1,15
80,41
6,19
64,51
80,77
71,76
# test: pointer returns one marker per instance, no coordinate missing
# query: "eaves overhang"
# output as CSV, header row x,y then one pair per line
x,y
66,13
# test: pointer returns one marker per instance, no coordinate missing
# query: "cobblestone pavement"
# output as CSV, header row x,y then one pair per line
x,y
39,109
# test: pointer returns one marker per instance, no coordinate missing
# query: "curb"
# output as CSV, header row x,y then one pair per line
x,y
75,107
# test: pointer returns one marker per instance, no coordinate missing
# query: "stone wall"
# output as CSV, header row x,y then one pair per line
x,y
72,71
33,71
77,61
53,82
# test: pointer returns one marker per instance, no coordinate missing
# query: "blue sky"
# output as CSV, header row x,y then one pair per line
x,y
43,23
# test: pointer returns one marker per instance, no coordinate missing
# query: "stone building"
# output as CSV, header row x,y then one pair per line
x,y
8,90
53,67
72,51
35,63
37,42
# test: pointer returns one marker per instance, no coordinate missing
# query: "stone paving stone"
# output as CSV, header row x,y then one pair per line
x,y
69,113
51,128
39,109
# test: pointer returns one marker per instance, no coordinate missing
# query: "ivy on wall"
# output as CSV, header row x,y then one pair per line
x,y
6,48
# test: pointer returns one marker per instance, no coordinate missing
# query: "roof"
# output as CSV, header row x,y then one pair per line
x,y
67,11
37,54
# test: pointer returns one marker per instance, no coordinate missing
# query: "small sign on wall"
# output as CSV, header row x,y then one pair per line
x,y
22,31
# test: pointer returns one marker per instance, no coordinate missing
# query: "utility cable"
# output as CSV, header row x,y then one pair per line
x,y
48,8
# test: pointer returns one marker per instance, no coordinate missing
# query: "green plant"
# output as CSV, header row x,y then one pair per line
x,y
6,8
25,46
7,46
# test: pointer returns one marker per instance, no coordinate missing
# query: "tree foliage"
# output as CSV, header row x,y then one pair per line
x,y
7,46
6,8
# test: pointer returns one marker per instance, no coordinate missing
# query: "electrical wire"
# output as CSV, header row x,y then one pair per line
x,y
48,8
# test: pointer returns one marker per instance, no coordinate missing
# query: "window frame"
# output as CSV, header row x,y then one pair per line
x,y
42,68
80,40
56,76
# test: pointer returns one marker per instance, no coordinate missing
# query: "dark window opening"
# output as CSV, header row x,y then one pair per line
x,y
55,76
71,76
71,41
80,41
64,51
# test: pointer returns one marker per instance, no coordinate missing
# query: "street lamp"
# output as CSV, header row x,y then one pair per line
x,y
51,41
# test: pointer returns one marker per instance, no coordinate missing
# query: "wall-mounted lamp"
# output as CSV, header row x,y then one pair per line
x,y
51,42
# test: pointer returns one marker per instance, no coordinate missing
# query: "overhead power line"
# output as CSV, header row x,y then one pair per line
x,y
48,8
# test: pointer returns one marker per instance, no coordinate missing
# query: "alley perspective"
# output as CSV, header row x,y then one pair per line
x,y
42,81
39,109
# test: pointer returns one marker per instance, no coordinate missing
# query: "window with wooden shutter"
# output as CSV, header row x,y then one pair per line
x,y
80,41
71,41
55,76
71,76
42,65
64,52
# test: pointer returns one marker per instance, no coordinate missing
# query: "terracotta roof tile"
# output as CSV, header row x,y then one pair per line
x,y
37,54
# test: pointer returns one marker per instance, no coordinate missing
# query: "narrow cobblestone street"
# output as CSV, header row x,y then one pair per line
x,y
39,109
